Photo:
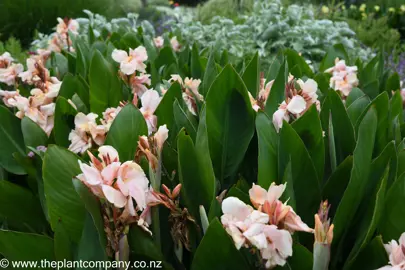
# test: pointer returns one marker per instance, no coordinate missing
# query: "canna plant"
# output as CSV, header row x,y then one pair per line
x,y
126,146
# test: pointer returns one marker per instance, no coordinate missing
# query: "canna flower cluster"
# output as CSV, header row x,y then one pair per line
x,y
344,78
396,254
88,132
297,101
9,70
117,185
39,106
190,91
60,39
267,227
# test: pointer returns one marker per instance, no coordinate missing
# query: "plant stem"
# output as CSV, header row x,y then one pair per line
x,y
155,178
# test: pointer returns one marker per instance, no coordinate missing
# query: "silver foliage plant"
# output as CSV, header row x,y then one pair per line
x,y
268,28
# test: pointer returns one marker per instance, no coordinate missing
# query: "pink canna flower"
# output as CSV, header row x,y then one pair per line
x,y
279,247
396,254
10,74
150,101
108,117
8,95
132,62
139,84
159,42
5,60
344,78
67,25
280,115
190,91
175,44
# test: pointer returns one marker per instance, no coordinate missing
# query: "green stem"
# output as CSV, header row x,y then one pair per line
x,y
155,178
321,256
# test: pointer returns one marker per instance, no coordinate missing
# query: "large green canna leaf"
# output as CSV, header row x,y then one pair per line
x,y
74,85
125,131
251,75
20,208
59,168
356,109
334,113
211,255
305,183
373,256
18,246
336,51
392,223
62,244
164,112
268,151
355,190
309,129
183,118
197,70
230,122
92,204
301,259
198,181
166,57
294,59
209,75
33,134
12,141
64,121
277,93
355,94
105,85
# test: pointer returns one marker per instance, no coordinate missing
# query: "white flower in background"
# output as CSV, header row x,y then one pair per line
x,y
132,62
396,254
150,101
159,42
344,78
175,44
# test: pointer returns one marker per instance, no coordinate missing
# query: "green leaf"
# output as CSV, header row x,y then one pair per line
x,y
354,193
33,135
105,86
184,119
343,132
336,51
74,85
392,224
309,128
64,121
336,185
12,140
18,246
230,122
142,244
301,259
357,108
277,93
304,176
166,57
371,89
268,151
393,83
131,40
210,74
59,64
20,208
210,255
355,94
198,183
60,166
373,256
294,59
63,246
373,207
251,76
125,131
89,247
196,67
273,70
92,205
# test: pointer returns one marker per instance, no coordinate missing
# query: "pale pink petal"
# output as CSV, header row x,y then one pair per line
x,y
110,172
150,100
161,136
108,151
114,196
257,195
128,68
296,105
91,175
119,55
294,223
275,192
235,207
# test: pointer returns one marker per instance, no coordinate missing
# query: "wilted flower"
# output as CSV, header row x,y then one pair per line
x,y
158,41
175,44
396,254
134,61
344,78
